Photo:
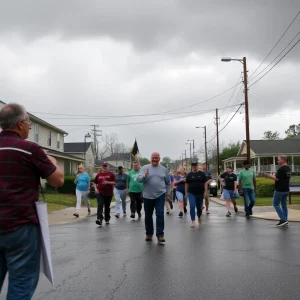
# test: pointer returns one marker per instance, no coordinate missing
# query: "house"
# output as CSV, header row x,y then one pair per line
x,y
118,159
83,150
51,139
264,155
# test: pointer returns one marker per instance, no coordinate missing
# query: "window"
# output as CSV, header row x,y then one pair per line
x,y
58,141
36,133
49,138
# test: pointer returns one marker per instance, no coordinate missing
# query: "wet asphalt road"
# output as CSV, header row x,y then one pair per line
x,y
222,259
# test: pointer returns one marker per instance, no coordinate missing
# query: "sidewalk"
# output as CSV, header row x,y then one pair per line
x,y
65,216
265,212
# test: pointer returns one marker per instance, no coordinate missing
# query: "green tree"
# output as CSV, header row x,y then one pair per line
x,y
292,131
166,161
144,161
271,136
230,150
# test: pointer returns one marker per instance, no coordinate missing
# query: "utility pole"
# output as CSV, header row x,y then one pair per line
x,y
247,109
96,132
206,159
218,147
185,158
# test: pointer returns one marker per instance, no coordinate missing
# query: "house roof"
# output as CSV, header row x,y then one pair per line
x,y
76,147
297,137
62,154
118,156
42,122
260,147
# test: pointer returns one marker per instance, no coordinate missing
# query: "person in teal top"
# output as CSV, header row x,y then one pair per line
x,y
82,182
247,183
135,191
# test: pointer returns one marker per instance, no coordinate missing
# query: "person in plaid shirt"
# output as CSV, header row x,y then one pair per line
x,y
22,164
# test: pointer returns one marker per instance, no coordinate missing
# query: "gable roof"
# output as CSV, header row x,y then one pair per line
x,y
260,147
118,156
98,164
76,147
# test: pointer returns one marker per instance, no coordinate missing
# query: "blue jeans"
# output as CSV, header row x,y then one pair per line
x,y
195,201
249,195
20,257
120,195
281,198
159,205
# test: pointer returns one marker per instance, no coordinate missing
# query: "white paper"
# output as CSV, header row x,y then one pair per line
x,y
46,261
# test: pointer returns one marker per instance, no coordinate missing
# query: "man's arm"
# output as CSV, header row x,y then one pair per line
x,y
56,179
168,183
254,182
141,177
220,180
272,177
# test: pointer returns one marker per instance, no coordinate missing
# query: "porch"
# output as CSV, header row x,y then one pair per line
x,y
262,164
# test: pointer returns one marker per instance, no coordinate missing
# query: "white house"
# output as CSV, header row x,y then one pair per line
x,y
264,155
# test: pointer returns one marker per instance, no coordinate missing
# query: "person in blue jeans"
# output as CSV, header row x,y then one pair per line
x,y
195,187
247,182
282,189
157,186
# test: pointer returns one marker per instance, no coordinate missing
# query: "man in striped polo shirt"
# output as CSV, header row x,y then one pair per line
x,y
22,163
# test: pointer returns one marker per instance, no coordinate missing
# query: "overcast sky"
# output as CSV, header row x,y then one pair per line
x,y
95,60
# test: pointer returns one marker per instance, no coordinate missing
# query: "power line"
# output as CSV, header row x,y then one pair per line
x,y
275,64
143,115
276,56
231,118
276,44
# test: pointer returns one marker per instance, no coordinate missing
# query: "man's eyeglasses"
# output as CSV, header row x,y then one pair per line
x,y
28,122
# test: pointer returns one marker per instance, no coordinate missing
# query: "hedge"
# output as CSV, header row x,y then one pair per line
x,y
67,188
264,187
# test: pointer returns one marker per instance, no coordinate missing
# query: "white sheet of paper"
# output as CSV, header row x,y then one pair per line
x,y
46,261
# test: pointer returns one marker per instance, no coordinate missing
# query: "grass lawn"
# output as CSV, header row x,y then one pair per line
x,y
61,201
268,201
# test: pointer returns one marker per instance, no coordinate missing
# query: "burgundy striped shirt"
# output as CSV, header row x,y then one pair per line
x,y
22,163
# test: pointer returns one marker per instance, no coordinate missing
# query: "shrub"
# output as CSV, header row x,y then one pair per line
x,y
264,187
67,188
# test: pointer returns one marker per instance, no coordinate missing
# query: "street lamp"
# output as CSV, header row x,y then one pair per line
x,y
85,137
244,62
205,143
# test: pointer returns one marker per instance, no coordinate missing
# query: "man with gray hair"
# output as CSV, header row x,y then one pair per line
x,y
22,163
157,186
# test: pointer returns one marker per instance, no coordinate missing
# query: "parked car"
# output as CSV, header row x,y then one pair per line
x,y
213,188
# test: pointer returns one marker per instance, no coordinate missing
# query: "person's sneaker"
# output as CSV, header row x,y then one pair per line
x,y
247,215
139,215
148,238
251,212
287,223
107,222
193,224
199,220
168,212
228,214
180,214
281,223
161,240
76,215
185,210
117,215
132,216
236,209
99,222
89,211
207,212
124,214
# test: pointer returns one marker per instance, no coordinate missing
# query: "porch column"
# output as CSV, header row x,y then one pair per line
x,y
274,164
224,165
258,165
293,165
234,165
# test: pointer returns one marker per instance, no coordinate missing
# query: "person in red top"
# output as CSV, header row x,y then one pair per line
x,y
103,184
22,163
